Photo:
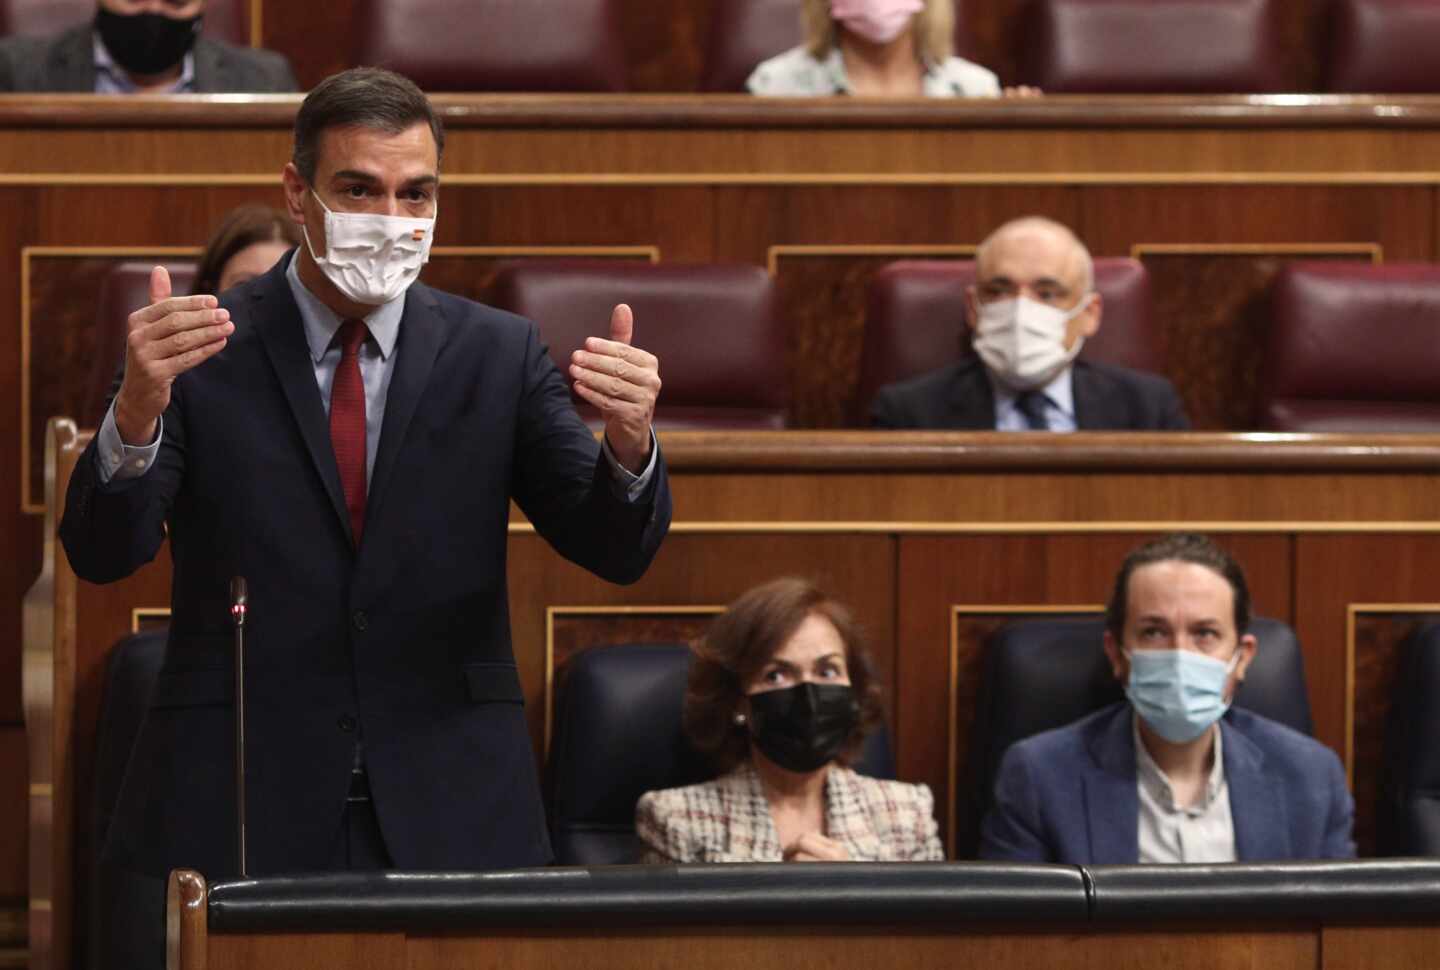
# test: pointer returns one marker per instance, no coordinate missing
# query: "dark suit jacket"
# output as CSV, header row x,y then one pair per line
x,y
1068,796
960,397
405,643
66,63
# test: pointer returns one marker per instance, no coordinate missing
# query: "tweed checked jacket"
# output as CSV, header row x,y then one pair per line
x,y
728,820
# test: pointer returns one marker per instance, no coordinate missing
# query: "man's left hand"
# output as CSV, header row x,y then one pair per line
x,y
623,382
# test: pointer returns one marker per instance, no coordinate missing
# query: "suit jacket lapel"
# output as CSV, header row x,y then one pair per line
x,y
1257,800
1094,409
277,321
972,399
1112,804
422,334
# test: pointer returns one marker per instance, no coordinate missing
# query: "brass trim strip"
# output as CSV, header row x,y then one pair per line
x,y
683,179
1375,251
774,254
141,613
42,789
38,905
952,701
1352,613
1039,527
552,612
257,23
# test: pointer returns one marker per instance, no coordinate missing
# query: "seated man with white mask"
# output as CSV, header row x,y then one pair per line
x,y
1031,308
1174,773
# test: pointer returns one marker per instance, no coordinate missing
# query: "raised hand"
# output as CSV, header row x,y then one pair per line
x,y
166,338
623,381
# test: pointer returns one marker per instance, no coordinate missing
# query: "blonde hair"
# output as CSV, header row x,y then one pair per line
x,y
934,30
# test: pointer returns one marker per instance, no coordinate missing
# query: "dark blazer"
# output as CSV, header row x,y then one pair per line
x,y
1068,796
960,397
66,63
405,643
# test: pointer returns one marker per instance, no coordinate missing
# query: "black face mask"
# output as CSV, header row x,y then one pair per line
x,y
146,43
803,728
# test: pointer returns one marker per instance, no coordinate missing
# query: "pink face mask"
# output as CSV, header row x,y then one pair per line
x,y
878,21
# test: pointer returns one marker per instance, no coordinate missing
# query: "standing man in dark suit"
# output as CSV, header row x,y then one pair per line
x,y
349,440
1030,310
140,47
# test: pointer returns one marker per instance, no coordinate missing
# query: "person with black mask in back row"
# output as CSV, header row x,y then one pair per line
x,y
140,47
781,694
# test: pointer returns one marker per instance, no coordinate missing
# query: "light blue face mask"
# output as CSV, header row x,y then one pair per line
x,y
1179,693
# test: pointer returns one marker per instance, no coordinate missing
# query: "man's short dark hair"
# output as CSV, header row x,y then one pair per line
x,y
1188,547
368,97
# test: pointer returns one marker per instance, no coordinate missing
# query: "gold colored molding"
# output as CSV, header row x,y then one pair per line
x,y
1018,610
42,790
1352,614
257,23
1038,527
38,905
774,254
1374,251
140,614
554,612
702,179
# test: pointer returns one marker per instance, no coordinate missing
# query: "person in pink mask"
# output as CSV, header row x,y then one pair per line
x,y
876,48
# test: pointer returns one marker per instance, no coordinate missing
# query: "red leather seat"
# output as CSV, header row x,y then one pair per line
x,y
1383,46
126,289
227,20
745,32
1152,46
1353,347
915,321
714,328
495,45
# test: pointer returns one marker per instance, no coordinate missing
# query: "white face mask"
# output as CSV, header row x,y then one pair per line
x,y
372,258
1022,341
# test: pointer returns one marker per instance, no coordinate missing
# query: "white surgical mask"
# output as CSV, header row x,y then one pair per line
x,y
878,21
1022,341
1178,693
372,258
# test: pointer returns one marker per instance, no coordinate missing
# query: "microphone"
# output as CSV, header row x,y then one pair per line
x,y
239,606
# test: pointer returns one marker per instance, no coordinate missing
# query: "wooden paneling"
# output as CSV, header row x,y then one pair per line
x,y
14,813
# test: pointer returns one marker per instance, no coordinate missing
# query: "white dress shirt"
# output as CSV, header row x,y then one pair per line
x,y
1059,405
1203,832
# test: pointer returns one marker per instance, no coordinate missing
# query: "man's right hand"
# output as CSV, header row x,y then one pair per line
x,y
167,338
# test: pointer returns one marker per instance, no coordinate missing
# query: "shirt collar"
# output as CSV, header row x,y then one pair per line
x,y
1059,393
321,322
1158,784
115,75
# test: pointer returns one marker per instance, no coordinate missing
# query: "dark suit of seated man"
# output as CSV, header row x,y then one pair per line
x,y
140,47
1029,312
1173,774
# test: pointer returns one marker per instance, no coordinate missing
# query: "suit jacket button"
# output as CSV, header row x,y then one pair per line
x,y
347,724
361,620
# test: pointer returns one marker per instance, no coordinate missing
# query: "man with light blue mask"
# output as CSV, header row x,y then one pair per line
x,y
1173,774
1031,309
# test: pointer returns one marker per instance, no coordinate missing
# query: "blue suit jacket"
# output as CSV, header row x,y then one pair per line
x,y
405,641
1068,795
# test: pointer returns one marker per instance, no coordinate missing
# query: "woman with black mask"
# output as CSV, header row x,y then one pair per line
x,y
781,694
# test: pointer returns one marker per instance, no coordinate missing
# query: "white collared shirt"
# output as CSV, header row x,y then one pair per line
x,y
1059,405
1170,833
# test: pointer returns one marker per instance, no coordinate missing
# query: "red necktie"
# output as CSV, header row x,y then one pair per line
x,y
347,422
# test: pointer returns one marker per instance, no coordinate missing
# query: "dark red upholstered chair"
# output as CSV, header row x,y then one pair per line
x,y
915,321
495,45
1353,347
125,289
715,329
1383,46
745,32
1152,46
224,19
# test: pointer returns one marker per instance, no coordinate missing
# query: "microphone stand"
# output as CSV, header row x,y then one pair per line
x,y
239,598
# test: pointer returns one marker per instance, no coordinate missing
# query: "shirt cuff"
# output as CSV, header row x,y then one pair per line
x,y
117,461
626,484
